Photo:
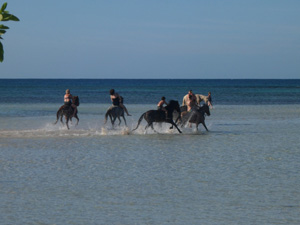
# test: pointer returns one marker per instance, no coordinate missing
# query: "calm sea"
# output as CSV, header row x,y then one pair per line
x,y
245,170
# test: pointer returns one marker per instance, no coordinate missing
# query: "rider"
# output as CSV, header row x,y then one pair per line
x,y
192,98
161,103
186,98
191,102
68,101
209,100
117,100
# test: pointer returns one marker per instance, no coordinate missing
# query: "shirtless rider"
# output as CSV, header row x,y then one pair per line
x,y
68,101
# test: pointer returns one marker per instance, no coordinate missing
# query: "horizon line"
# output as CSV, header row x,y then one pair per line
x,y
149,78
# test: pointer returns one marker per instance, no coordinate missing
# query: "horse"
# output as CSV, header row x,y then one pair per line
x,y
68,111
115,112
197,116
199,98
160,116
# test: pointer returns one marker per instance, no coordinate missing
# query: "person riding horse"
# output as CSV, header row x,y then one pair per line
x,y
117,100
68,102
116,111
69,109
199,98
196,115
160,116
189,102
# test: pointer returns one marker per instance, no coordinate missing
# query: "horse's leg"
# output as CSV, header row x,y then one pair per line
x,y
124,120
119,120
67,121
61,118
77,119
113,121
174,124
148,125
151,125
183,123
70,116
205,126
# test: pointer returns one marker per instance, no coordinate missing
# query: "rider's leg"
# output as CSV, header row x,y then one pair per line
x,y
163,109
123,106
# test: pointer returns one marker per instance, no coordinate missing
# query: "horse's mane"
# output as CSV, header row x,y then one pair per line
x,y
173,102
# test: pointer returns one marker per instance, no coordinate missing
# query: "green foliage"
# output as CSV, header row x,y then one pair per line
x,y
5,16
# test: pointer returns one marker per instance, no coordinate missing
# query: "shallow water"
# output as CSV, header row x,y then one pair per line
x,y
245,170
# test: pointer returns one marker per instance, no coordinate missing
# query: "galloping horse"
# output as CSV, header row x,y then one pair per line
x,y
196,115
160,116
115,112
67,111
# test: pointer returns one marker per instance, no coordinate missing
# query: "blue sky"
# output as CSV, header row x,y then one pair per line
x,y
152,39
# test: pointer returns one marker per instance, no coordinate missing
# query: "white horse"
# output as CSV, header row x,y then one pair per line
x,y
199,98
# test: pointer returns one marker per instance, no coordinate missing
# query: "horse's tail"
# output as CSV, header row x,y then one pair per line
x,y
106,115
140,120
57,116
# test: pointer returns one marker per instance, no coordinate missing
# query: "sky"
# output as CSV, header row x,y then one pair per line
x,y
139,39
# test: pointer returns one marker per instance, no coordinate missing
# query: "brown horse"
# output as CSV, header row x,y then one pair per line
x,y
68,111
160,116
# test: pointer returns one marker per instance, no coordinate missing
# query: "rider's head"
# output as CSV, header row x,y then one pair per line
x,y
68,91
112,91
163,98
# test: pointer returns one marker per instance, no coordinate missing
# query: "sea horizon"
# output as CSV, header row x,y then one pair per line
x,y
41,78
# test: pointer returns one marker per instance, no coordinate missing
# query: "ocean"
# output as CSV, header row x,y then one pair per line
x,y
245,170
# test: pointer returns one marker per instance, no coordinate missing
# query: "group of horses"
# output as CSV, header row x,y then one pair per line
x,y
173,110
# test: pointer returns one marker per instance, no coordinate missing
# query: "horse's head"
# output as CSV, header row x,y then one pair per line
x,y
174,105
205,108
75,100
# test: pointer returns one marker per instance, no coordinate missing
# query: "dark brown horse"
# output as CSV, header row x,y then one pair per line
x,y
160,116
115,112
67,111
197,116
